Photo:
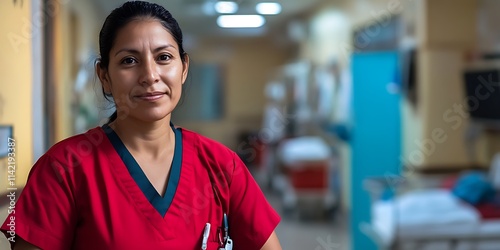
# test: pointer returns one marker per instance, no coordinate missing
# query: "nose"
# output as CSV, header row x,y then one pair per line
x,y
149,74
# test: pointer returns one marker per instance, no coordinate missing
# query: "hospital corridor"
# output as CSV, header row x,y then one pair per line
x,y
249,124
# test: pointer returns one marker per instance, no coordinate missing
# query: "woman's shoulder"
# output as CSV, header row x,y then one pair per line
x,y
69,158
207,145
79,144
220,161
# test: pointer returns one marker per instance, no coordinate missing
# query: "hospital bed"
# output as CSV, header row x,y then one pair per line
x,y
425,219
308,164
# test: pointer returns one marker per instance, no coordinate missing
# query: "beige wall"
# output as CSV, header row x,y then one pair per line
x,y
446,34
16,83
441,89
248,64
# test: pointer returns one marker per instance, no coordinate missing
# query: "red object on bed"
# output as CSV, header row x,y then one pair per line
x,y
489,210
309,175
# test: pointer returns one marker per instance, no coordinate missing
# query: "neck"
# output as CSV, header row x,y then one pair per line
x,y
151,138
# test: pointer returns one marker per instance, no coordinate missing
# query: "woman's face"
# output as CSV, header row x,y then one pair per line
x,y
145,72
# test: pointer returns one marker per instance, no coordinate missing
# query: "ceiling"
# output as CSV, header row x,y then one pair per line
x,y
196,23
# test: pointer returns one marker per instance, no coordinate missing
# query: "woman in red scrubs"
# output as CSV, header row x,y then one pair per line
x,y
138,182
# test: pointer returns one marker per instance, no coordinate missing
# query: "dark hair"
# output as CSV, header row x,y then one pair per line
x,y
126,13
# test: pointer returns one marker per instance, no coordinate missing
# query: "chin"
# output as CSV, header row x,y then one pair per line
x,y
153,116
150,114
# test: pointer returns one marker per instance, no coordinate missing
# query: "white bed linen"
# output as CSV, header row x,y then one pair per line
x,y
423,213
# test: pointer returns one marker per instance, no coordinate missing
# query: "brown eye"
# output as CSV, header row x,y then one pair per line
x,y
164,57
128,60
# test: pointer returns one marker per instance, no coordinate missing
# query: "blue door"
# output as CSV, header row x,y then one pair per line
x,y
376,138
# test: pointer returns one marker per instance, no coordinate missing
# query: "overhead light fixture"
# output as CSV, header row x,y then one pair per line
x,y
240,21
226,7
268,8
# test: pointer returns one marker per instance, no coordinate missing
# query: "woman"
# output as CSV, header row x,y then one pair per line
x,y
138,182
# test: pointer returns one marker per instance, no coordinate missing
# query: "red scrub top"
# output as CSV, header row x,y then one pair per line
x,y
82,195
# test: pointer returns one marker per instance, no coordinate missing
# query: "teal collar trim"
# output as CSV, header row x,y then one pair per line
x,y
161,204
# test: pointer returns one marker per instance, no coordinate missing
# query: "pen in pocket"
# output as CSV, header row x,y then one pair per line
x,y
206,233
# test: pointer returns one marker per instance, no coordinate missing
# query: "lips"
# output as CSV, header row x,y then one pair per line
x,y
150,96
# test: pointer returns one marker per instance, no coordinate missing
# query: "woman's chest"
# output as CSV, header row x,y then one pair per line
x,y
117,215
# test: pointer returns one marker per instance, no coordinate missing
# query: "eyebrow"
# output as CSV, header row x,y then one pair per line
x,y
134,51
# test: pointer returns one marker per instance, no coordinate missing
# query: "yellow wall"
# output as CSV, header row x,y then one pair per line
x,y
16,82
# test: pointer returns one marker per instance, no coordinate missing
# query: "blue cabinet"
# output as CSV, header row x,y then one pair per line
x,y
376,135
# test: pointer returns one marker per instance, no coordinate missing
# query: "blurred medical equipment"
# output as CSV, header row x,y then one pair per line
x,y
300,160
307,162
274,127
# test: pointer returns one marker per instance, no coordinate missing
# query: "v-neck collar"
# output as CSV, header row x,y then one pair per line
x,y
161,204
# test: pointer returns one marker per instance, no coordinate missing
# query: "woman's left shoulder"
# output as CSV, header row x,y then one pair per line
x,y
207,146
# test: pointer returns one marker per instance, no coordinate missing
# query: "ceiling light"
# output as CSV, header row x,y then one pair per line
x,y
226,7
240,21
268,8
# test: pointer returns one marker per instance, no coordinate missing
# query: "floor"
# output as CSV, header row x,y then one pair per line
x,y
300,234
294,234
